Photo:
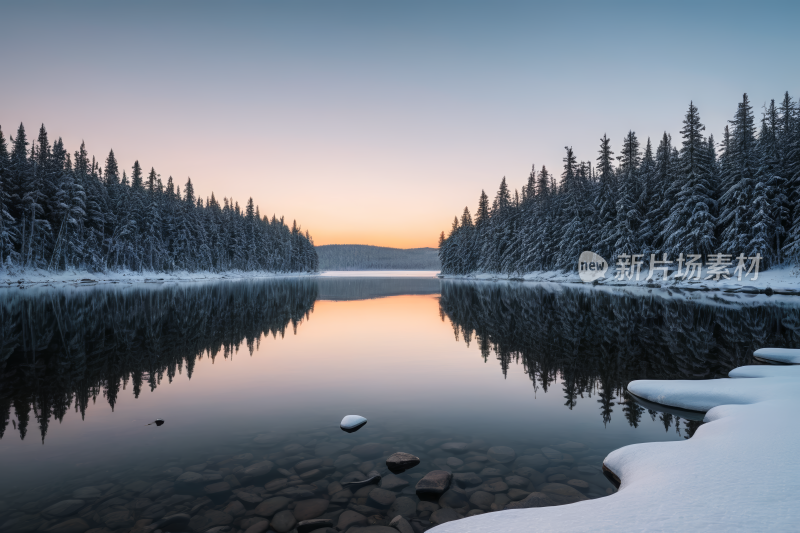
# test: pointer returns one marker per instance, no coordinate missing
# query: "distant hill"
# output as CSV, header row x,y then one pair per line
x,y
365,257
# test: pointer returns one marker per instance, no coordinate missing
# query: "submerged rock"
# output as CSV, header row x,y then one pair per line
x,y
352,423
401,461
433,484
370,480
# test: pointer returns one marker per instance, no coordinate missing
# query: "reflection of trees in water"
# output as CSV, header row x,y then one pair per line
x,y
60,346
597,341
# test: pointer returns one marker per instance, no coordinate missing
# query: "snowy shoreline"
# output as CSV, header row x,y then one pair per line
x,y
778,281
42,278
739,472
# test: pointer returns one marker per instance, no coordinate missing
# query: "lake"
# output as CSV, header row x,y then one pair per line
x,y
513,388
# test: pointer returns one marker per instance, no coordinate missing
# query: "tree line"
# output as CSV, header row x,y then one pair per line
x,y
61,349
60,211
595,342
666,199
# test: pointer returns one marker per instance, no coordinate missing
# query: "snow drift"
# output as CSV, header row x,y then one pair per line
x,y
739,472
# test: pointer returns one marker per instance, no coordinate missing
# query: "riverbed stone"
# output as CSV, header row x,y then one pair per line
x,y
70,525
329,448
401,461
517,494
494,488
481,499
86,493
276,484
270,506
453,498
562,494
308,464
401,524
248,499
218,492
445,514
307,526
308,509
175,522
455,447
556,478
118,519
403,506
392,482
579,484
63,508
257,470
381,498
467,479
434,482
283,521
258,527
369,450
349,519
534,499
501,454
538,461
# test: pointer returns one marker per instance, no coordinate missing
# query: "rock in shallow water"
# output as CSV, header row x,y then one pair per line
x,y
400,462
501,454
434,483
63,508
352,423
307,526
534,499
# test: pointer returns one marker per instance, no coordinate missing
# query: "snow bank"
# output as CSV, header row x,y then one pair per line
x,y
778,355
779,280
739,472
33,277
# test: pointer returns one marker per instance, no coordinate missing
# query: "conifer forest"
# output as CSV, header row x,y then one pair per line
x,y
60,211
694,196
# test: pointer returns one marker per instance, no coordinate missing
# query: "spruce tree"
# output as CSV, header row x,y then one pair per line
x,y
691,223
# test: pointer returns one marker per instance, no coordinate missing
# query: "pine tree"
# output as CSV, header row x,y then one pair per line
x,y
690,226
112,169
136,176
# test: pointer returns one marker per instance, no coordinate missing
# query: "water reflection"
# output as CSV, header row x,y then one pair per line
x,y
596,341
75,345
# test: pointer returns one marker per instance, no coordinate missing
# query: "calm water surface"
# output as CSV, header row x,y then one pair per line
x,y
248,371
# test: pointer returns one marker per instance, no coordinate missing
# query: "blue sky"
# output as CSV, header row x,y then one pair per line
x,y
376,122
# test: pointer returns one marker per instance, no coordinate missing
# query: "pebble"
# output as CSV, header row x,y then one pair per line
x,y
434,482
283,521
368,451
371,480
309,509
534,499
257,470
329,448
403,506
381,498
536,462
455,447
86,493
562,494
118,519
497,486
579,484
401,461
307,526
71,525
452,498
392,482
258,527
501,454
446,514
517,494
482,500
308,464
269,507
346,460
401,525
467,479
349,519
248,499
352,423
556,478
63,508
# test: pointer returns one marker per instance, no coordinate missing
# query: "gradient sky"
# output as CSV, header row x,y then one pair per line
x,y
376,122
